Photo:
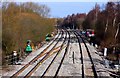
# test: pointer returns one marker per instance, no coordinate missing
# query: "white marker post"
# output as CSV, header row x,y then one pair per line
x,y
96,46
105,52
106,61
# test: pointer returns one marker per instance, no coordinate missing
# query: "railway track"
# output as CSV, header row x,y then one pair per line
x,y
37,57
65,36
61,47
82,56
41,61
48,67
81,53
53,59
66,50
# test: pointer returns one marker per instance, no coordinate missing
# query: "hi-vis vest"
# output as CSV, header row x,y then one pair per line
x,y
28,48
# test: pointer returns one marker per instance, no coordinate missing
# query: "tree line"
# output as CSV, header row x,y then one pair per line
x,y
72,21
22,22
104,20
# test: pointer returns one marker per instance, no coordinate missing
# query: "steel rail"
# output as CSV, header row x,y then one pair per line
x,y
66,50
93,66
80,48
38,56
54,57
42,60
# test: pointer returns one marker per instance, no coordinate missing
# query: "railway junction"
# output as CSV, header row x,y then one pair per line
x,y
68,55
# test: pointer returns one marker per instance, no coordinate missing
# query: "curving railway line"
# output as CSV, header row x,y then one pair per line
x,y
39,55
62,58
54,57
43,59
